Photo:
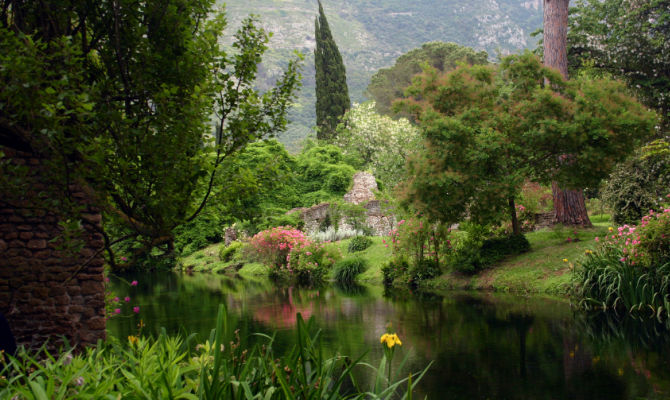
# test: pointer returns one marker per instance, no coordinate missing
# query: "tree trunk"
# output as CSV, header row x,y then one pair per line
x,y
569,205
515,221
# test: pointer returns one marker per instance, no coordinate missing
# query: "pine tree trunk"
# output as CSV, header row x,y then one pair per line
x,y
569,205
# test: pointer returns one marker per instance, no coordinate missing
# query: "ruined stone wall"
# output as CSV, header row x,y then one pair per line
x,y
47,292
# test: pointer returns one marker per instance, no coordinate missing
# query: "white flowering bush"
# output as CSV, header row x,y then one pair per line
x,y
380,143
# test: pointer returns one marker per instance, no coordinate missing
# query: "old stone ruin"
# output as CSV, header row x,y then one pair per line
x,y
48,292
376,217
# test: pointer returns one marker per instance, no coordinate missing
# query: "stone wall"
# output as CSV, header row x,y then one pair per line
x,y
377,218
46,291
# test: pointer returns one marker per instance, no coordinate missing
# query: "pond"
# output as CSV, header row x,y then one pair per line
x,y
482,345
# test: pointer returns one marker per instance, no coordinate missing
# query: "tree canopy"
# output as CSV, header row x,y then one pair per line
x,y
628,40
120,97
487,129
389,84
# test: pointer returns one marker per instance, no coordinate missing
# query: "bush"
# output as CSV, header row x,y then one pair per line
x,y
197,234
273,246
228,252
348,269
310,263
630,269
396,268
471,254
333,235
359,243
426,269
639,184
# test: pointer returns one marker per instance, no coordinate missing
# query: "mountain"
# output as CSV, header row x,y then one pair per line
x,y
371,34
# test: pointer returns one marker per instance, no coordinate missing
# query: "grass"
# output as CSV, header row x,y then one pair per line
x,y
207,260
541,270
376,255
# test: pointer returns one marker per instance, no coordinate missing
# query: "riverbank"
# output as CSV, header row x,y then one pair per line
x,y
541,270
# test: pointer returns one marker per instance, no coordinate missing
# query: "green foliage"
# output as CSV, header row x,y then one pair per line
x,y
322,174
376,142
227,253
359,243
653,237
346,270
201,232
639,184
487,130
396,268
627,40
332,92
121,98
311,263
388,84
603,280
496,248
221,367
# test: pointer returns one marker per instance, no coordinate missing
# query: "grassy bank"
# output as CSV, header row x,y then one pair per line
x,y
541,270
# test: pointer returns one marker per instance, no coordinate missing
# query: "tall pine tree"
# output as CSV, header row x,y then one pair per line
x,y
332,93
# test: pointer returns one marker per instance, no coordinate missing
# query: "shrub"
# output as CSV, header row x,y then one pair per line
x,y
472,253
396,268
273,246
419,239
228,252
197,234
359,243
630,268
639,184
426,269
333,235
348,269
310,263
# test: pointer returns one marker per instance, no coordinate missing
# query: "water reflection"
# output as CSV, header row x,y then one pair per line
x,y
485,346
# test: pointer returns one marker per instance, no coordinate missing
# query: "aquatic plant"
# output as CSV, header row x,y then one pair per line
x,y
220,368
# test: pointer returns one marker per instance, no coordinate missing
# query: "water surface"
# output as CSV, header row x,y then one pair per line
x,y
483,345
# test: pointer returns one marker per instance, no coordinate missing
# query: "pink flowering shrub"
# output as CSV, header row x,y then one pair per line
x,y
310,263
273,246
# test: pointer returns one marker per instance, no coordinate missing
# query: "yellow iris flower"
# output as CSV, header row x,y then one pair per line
x,y
132,339
390,339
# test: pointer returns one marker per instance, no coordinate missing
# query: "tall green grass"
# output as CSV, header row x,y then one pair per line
x,y
606,280
221,368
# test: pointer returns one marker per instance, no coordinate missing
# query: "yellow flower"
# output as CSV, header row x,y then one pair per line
x,y
565,260
390,339
588,251
611,229
132,339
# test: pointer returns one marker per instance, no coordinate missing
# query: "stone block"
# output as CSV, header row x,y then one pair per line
x,y
37,244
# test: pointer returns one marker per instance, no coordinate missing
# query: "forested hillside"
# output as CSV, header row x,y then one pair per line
x,y
371,34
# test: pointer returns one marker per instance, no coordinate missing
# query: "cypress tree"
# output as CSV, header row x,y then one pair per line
x,y
332,93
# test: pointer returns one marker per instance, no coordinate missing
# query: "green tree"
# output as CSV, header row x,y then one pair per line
x,y
489,129
126,103
388,84
332,92
626,39
377,142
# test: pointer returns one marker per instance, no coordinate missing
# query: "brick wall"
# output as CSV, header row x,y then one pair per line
x,y
47,292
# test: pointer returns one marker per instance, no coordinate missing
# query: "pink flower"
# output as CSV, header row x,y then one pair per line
x,y
597,239
309,253
124,259
402,221
117,311
622,259
127,299
116,299
133,283
136,309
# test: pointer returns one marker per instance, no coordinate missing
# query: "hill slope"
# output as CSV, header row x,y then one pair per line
x,y
371,34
